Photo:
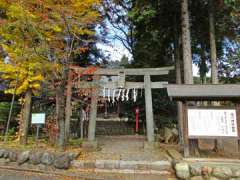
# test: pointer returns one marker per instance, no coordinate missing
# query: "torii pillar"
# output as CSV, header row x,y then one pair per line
x,y
149,109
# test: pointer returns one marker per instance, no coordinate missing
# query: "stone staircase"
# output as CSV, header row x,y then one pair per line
x,y
106,128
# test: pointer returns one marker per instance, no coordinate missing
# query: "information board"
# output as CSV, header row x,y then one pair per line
x,y
212,122
38,118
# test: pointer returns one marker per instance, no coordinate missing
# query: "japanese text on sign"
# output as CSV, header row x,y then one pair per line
x,y
212,122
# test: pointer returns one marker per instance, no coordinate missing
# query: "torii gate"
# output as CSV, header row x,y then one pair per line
x,y
121,73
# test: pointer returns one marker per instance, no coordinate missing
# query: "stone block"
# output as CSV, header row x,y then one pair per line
x,y
2,151
62,161
182,170
77,164
13,156
161,166
35,157
213,178
47,158
236,173
5,154
23,157
99,164
132,165
224,173
206,170
143,165
111,164
89,164
196,170
197,178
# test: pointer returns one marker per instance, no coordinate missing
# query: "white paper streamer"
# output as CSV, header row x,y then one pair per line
x,y
134,95
113,96
127,95
123,94
104,95
119,94
109,95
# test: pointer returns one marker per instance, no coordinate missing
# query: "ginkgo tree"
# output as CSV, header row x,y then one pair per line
x,y
24,79
24,70
41,33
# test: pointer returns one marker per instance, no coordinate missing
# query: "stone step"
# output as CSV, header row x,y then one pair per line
x,y
146,167
114,128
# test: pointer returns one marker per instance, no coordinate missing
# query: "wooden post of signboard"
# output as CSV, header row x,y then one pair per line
x,y
185,131
238,123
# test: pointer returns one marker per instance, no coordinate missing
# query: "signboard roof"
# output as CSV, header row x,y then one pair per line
x,y
204,92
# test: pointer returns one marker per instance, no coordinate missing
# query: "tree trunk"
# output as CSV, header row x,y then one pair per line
x,y
203,69
213,50
68,110
186,44
177,58
203,65
60,108
26,116
187,57
60,115
213,53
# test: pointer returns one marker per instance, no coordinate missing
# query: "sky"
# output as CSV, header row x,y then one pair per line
x,y
116,50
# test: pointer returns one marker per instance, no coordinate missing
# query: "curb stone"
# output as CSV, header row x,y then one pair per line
x,y
120,165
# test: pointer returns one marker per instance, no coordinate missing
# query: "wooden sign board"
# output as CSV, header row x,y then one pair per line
x,y
212,123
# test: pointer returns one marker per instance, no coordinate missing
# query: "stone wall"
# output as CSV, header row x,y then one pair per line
x,y
182,169
39,159
208,170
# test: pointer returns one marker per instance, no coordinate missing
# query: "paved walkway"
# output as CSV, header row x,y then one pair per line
x,y
129,148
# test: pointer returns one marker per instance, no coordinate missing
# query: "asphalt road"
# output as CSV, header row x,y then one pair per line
x,y
19,175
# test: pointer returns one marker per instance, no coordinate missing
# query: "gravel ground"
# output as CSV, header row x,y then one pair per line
x,y
128,148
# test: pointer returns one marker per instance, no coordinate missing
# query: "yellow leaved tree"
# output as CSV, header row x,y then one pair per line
x,y
40,38
20,67
24,78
